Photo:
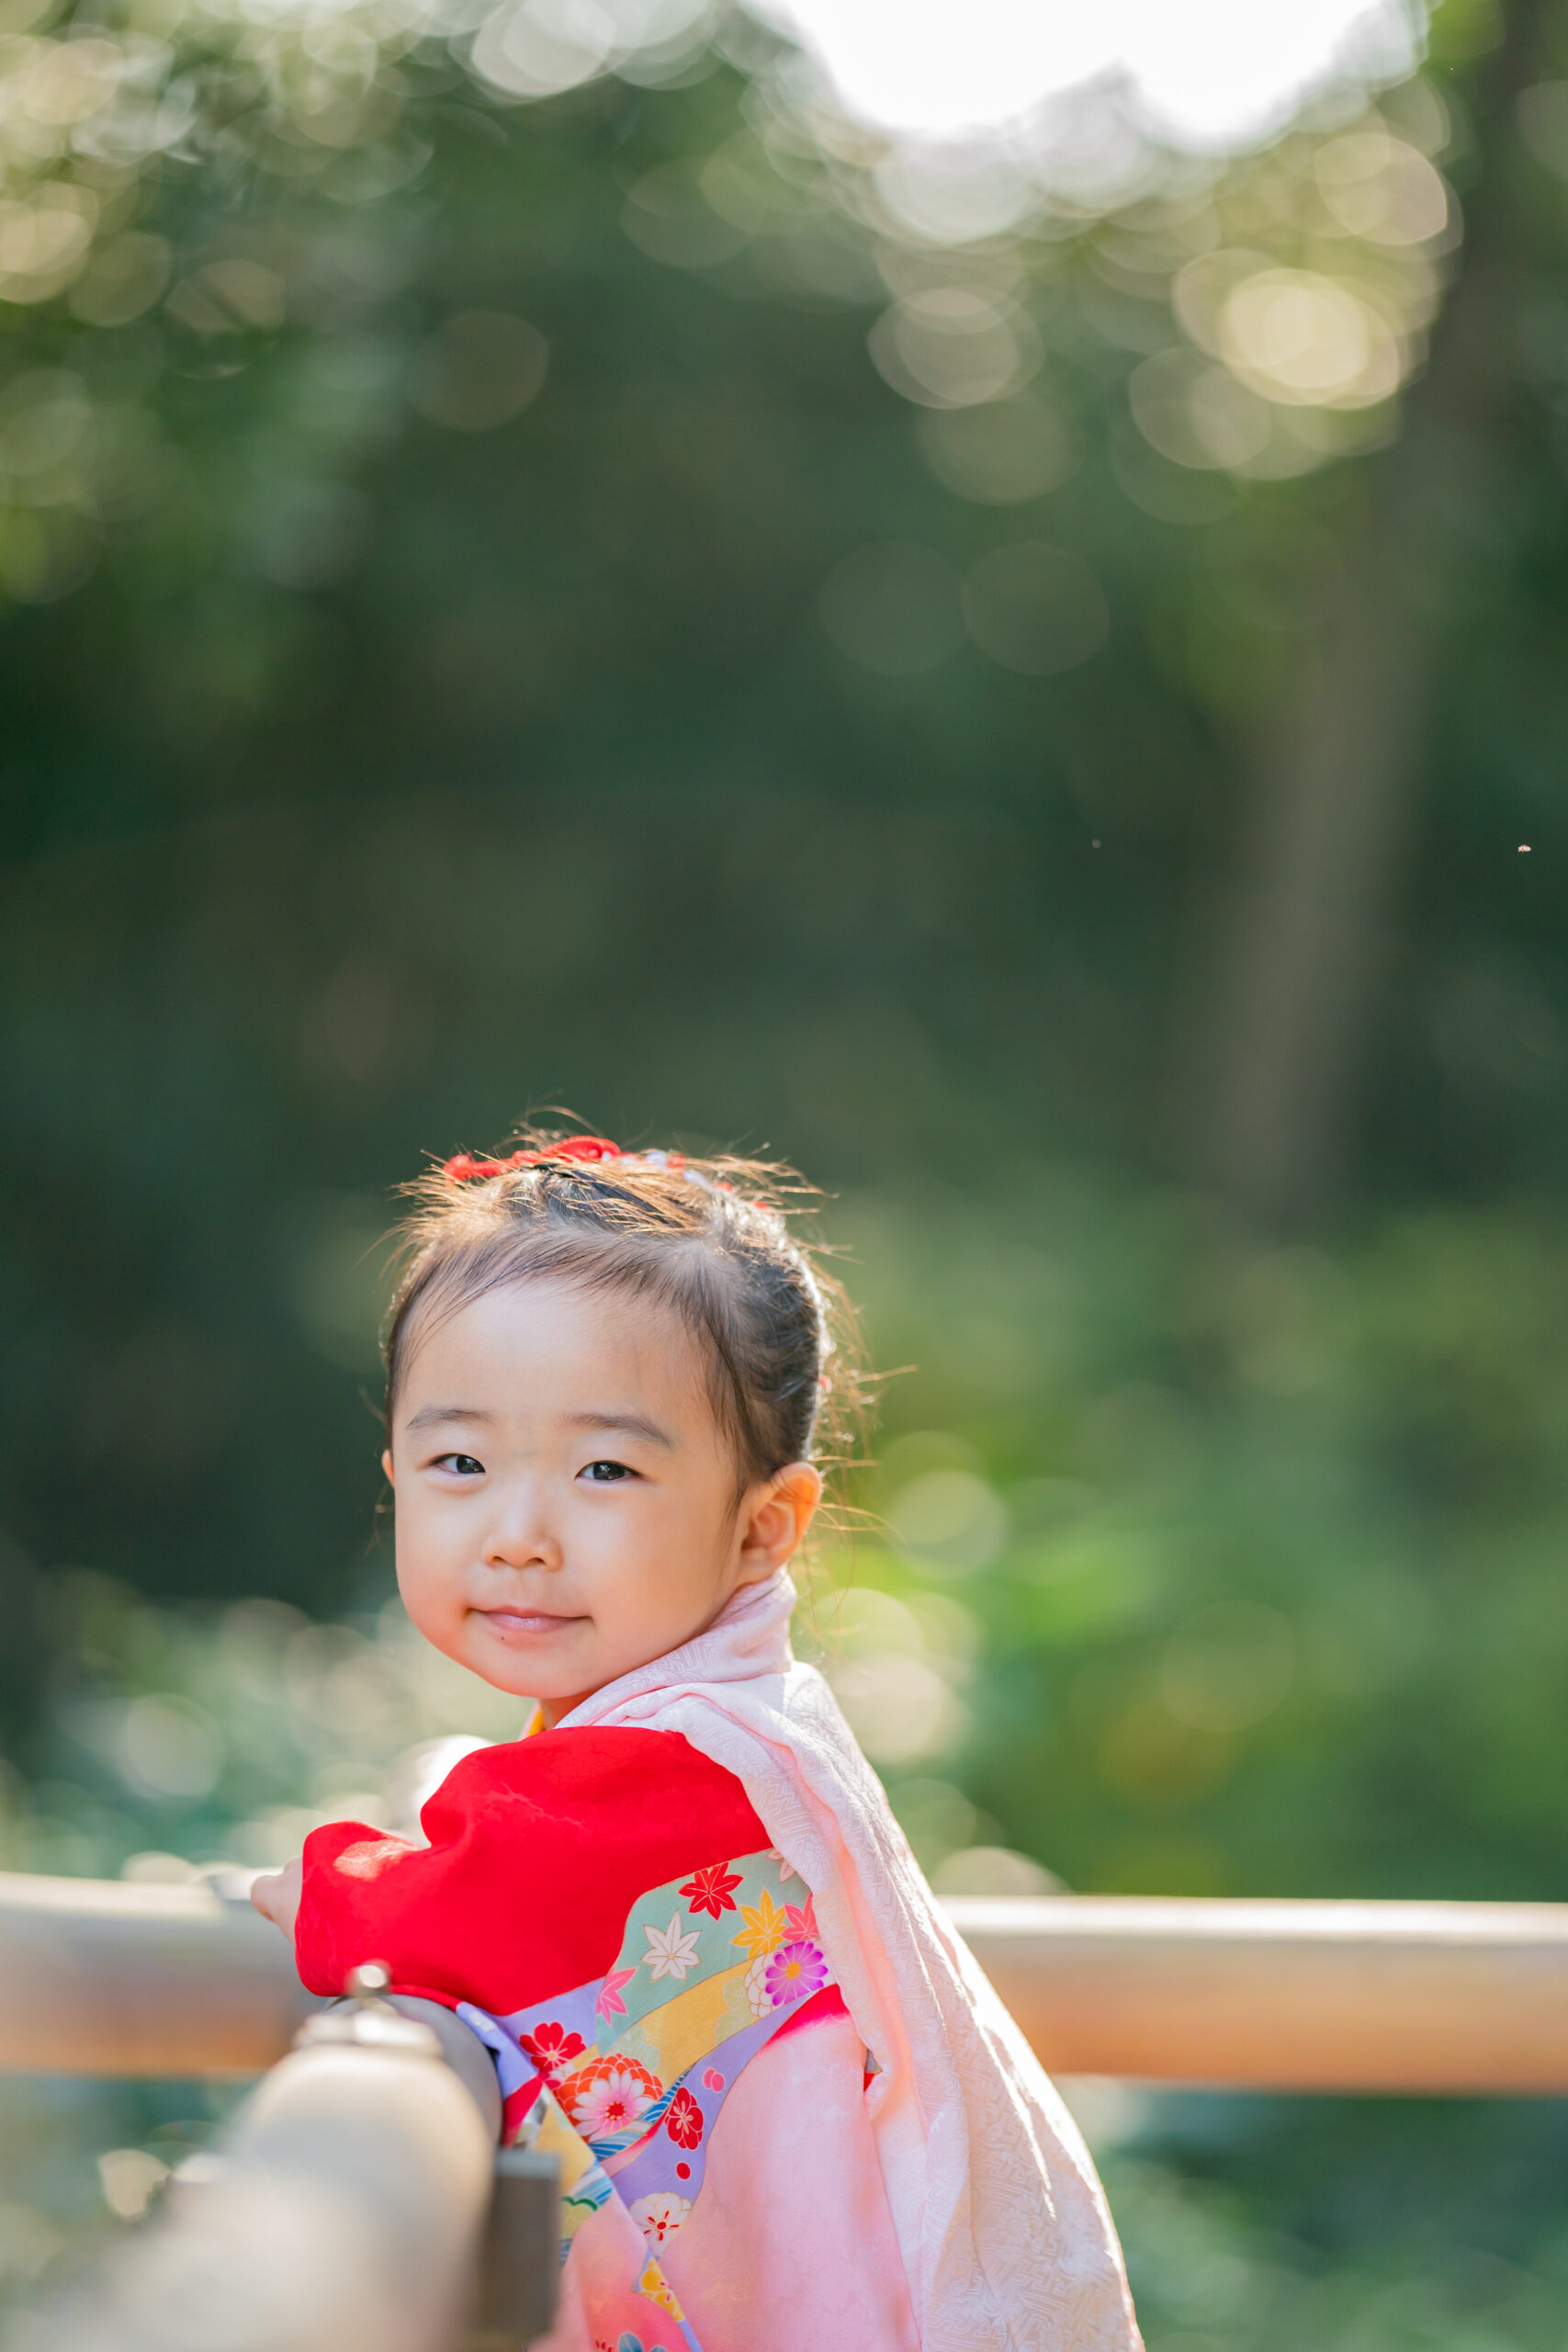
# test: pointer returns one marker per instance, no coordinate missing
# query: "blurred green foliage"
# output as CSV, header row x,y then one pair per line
x,y
1190,1565
509,602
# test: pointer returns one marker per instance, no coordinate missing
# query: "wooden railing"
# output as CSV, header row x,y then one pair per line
x,y
1434,1997
101,1978
358,2203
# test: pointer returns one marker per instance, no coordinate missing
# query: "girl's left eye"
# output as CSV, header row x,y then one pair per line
x,y
607,1474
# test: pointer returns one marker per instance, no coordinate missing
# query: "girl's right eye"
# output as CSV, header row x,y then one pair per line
x,y
463,1465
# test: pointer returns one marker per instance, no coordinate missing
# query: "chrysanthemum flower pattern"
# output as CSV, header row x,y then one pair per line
x,y
777,1978
607,2097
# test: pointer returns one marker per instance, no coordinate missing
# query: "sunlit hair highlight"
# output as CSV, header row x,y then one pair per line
x,y
709,1240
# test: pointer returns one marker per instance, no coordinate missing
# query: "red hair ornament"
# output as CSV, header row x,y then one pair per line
x,y
574,1148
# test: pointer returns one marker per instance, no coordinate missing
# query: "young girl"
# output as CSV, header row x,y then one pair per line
x,y
789,2110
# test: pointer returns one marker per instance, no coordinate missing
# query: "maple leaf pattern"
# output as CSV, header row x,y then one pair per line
x,y
802,1917
609,2003
712,1890
671,1953
765,1926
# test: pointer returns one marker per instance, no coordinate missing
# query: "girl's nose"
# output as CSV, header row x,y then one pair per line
x,y
520,1539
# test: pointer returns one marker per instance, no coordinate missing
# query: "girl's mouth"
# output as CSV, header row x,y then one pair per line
x,y
525,1622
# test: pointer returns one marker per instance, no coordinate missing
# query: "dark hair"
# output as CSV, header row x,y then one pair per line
x,y
706,1237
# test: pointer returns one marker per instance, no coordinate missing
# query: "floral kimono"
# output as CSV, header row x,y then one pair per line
x,y
789,2110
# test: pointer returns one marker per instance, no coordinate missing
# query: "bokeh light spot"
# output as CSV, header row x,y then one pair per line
x,y
123,279
1302,338
170,1748
893,606
1001,452
479,370
1195,414
1228,1667
1035,609
950,347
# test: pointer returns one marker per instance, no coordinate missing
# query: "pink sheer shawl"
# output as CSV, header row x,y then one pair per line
x,y
1001,2225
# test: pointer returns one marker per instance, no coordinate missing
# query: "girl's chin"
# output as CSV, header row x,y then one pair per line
x,y
523,1682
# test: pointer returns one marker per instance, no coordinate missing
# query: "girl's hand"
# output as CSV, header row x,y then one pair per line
x,y
277,1895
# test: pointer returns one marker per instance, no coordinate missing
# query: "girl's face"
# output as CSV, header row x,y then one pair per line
x,y
566,1501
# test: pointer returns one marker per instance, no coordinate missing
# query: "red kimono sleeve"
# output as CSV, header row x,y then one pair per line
x,y
537,1851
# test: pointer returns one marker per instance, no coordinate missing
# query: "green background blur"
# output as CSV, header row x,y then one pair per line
x,y
511,601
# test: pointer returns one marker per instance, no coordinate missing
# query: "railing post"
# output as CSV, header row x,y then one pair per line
x,y
520,2261
345,2213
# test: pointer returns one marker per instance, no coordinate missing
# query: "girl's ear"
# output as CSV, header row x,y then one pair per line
x,y
774,1520
386,1467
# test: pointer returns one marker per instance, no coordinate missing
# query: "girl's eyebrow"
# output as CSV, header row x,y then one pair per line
x,y
632,1424
430,1416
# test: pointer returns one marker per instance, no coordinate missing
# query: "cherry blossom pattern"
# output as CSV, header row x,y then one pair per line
x,y
684,2121
670,1952
712,1890
777,1978
659,2216
552,2049
609,2003
607,2098
712,2079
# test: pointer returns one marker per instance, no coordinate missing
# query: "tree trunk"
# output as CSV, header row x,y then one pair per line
x,y
1294,978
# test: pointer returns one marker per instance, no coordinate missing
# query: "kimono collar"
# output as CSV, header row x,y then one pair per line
x,y
747,1639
